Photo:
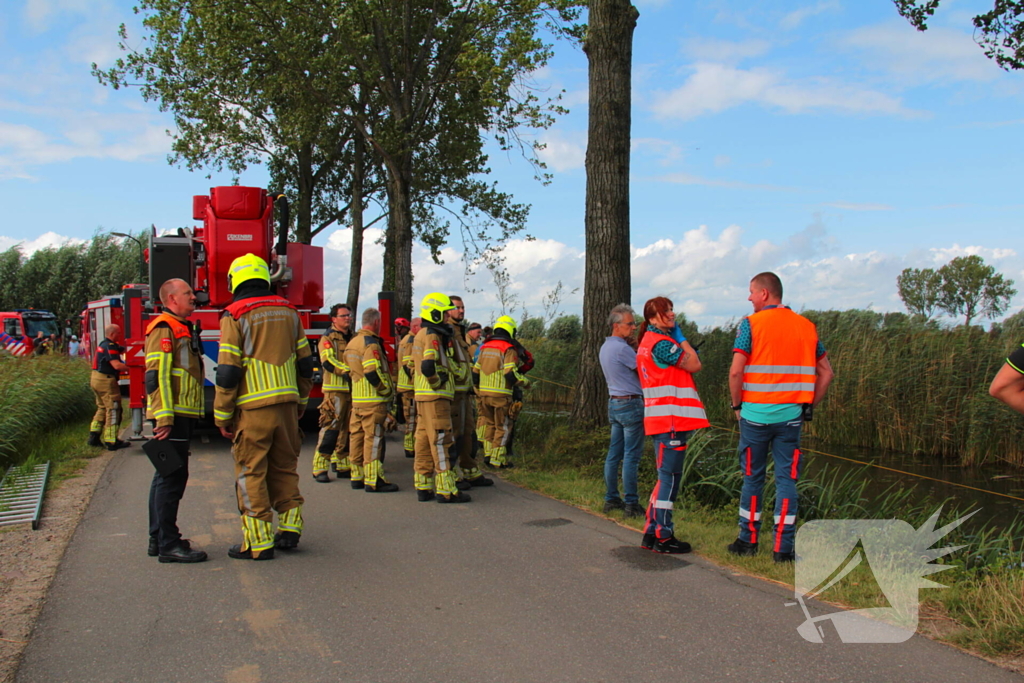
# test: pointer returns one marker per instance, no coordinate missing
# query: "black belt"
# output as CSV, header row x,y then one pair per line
x,y
626,397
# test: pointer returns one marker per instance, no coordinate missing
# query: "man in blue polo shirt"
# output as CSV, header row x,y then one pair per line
x,y
625,413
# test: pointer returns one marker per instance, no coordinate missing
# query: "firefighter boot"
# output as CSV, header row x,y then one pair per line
x,y
424,484
374,477
476,478
320,465
357,477
341,467
94,440
447,492
289,529
257,541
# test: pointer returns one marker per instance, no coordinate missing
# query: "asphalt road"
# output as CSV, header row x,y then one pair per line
x,y
511,587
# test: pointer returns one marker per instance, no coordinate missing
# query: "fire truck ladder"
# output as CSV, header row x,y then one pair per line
x,y
21,494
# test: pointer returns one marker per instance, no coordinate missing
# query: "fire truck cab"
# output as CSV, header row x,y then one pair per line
x,y
24,325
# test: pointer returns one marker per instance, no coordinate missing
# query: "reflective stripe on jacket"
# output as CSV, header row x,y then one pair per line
x,y
497,358
174,370
462,362
671,403
405,370
782,364
332,351
363,355
428,345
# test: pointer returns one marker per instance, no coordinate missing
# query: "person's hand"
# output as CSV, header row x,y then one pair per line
x,y
161,433
227,433
737,413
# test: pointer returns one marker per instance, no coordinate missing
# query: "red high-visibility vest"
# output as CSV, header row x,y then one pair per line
x,y
671,403
782,363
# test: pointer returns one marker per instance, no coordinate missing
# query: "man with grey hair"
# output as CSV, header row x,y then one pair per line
x,y
625,413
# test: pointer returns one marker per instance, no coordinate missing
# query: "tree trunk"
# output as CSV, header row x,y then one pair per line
x,y
355,272
609,48
303,208
398,244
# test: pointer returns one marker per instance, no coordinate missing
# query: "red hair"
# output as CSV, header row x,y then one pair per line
x,y
659,305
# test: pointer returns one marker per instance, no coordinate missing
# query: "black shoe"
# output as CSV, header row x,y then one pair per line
x,y
463,485
322,477
506,466
334,467
648,541
671,546
610,505
782,558
457,497
182,553
423,496
118,445
357,483
235,552
344,474
285,540
94,440
480,481
381,487
410,454
630,510
154,547
742,548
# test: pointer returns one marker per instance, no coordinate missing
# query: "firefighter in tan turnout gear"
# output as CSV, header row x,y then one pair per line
x,y
174,388
106,367
333,445
372,392
264,375
406,389
435,387
495,374
463,419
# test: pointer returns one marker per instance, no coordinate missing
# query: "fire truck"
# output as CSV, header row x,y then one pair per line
x,y
22,325
235,221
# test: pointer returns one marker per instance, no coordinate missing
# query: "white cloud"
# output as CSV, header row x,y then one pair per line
x,y
943,255
47,239
915,57
564,151
725,51
713,88
797,17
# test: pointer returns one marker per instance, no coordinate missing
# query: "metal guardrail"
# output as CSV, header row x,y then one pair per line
x,y
21,495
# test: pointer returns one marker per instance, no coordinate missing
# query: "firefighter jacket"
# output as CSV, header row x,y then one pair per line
x,y
496,370
107,351
462,360
332,360
264,357
431,359
671,403
369,370
174,370
782,363
405,369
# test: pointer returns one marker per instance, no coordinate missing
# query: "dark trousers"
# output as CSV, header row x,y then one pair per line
x,y
165,492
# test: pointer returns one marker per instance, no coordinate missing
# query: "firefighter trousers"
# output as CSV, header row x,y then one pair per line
x,y
366,441
433,438
266,450
494,411
463,434
108,406
332,445
409,409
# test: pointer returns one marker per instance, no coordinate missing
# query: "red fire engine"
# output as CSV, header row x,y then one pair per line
x,y
22,325
236,221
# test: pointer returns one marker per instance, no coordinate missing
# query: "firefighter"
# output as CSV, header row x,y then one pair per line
x,y
406,390
174,388
473,338
372,391
106,367
434,384
336,406
264,375
463,419
495,374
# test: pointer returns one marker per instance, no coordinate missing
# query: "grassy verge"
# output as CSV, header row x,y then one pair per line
x,y
982,610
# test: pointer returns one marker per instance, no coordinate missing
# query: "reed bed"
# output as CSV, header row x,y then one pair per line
x,y
901,385
37,395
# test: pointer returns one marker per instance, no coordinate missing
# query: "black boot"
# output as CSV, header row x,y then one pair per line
x,y
423,496
381,487
285,540
410,454
457,497
235,552
94,440
117,445
322,477
481,481
671,546
742,548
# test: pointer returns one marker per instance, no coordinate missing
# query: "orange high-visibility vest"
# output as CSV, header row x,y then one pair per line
x,y
781,367
671,403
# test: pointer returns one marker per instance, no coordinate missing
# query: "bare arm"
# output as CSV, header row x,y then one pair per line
x,y
823,380
1008,387
739,364
689,360
118,365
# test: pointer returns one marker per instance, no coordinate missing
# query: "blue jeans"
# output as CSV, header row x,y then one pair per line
x,y
669,453
627,420
783,439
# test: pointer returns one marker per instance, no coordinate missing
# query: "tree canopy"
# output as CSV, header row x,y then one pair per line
x,y
965,286
999,32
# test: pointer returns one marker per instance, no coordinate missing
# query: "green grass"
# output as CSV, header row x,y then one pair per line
x,y
36,396
982,610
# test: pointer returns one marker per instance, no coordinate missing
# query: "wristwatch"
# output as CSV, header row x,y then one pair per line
x,y
737,407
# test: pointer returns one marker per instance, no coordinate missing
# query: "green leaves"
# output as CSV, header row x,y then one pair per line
x,y
965,286
1000,31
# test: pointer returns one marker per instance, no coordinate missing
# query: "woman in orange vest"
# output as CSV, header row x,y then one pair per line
x,y
672,412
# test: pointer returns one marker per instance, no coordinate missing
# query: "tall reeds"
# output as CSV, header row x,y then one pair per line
x,y
36,395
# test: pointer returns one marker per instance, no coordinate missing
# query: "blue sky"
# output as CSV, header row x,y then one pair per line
x,y
824,139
